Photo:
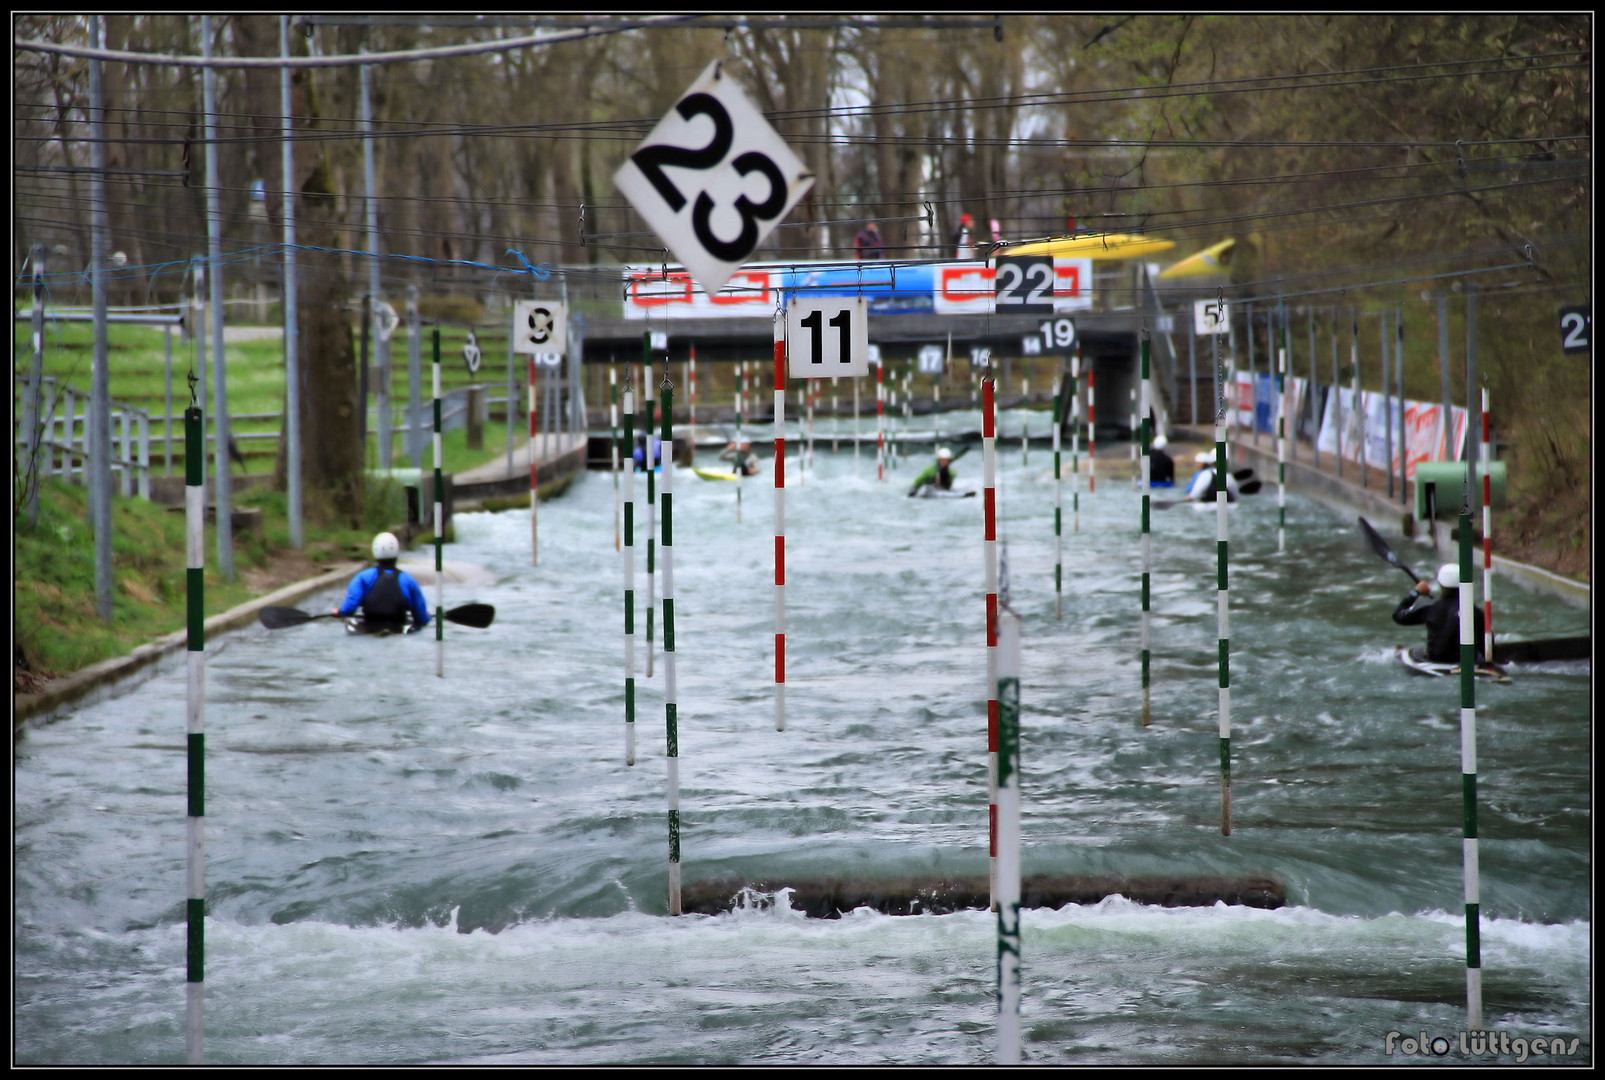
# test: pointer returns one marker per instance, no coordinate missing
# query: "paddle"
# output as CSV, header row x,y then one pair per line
x,y
1243,474
1250,488
1384,552
277,618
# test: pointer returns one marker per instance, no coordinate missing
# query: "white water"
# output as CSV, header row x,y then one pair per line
x,y
409,869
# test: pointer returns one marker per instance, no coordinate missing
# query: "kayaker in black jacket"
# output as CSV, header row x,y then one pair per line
x,y
1441,617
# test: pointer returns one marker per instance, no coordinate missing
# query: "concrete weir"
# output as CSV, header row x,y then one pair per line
x,y
829,898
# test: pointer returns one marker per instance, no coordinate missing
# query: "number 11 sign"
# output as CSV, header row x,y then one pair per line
x,y
827,337
713,179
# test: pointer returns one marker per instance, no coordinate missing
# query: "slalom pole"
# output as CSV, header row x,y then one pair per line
x,y
1092,440
1359,400
780,523
1025,420
1281,442
1387,405
629,572
440,521
670,698
808,400
880,421
741,367
1075,440
1487,536
691,394
1222,596
1468,702
613,430
1008,842
1136,481
1315,421
989,553
651,489
1058,511
1145,499
855,425
195,732
535,384
835,414
908,406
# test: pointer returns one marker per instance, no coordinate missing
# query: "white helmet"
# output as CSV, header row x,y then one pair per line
x,y
1204,457
944,454
1449,576
1159,442
386,546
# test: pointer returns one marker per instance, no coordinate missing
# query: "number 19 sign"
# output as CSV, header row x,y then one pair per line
x,y
713,179
827,337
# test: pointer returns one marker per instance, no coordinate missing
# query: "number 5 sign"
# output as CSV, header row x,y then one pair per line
x,y
827,337
713,179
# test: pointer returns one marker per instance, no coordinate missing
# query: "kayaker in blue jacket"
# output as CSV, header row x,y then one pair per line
x,y
384,593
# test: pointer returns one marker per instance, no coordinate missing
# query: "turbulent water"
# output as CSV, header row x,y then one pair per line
x,y
403,868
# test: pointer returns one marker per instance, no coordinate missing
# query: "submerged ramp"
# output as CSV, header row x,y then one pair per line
x,y
828,898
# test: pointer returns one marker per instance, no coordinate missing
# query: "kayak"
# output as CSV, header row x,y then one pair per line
x,y
356,624
1416,660
931,491
712,474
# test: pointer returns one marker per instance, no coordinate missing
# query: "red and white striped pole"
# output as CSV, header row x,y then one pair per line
x,y
533,389
780,524
1487,537
989,552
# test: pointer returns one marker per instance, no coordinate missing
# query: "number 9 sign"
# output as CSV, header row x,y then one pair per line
x,y
713,179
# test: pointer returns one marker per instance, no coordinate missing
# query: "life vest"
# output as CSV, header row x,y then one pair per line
x,y
384,601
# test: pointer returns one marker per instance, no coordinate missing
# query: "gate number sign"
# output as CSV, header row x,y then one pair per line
x,y
1575,329
713,179
827,337
540,326
1023,285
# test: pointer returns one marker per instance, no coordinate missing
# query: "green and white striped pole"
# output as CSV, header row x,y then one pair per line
x,y
1145,499
195,731
651,490
629,572
1058,511
1075,440
1136,480
670,692
1468,699
1223,643
1008,842
1092,438
613,430
440,523
1281,441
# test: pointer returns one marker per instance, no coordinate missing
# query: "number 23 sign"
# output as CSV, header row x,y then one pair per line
x,y
713,179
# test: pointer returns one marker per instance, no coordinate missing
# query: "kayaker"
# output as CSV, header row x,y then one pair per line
x,y
1161,466
384,592
1441,617
1201,488
741,457
939,473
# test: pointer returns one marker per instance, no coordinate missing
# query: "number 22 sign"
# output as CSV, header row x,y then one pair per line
x,y
713,179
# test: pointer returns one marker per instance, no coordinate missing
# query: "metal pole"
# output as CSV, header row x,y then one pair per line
x,y
31,414
99,429
214,246
1443,366
1468,697
292,326
381,346
414,442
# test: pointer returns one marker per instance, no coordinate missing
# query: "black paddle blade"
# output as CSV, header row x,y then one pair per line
x,y
1385,553
1250,488
277,618
1243,474
476,615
